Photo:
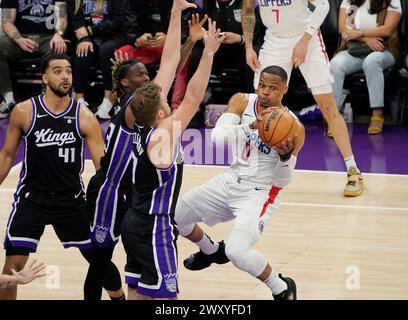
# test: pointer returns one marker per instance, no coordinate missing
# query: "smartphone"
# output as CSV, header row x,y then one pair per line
x,y
152,37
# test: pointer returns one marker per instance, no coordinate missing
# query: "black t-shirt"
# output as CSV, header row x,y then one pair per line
x,y
33,16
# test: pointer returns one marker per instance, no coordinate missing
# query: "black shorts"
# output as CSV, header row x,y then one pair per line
x,y
106,205
152,269
33,210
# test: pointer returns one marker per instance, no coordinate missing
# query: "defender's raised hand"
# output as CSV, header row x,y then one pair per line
x,y
195,30
212,37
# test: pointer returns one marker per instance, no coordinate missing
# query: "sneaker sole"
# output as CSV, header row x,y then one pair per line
x,y
353,194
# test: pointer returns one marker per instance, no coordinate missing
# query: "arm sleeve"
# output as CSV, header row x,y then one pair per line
x,y
284,172
320,12
112,22
228,129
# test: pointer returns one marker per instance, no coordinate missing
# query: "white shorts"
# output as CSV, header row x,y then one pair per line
x,y
315,69
225,197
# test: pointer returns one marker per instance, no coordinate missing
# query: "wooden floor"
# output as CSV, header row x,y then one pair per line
x,y
334,247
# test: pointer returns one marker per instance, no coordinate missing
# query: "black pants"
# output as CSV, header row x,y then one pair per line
x,y
228,56
103,53
10,53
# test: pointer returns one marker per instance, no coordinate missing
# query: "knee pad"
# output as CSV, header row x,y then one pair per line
x,y
243,257
185,218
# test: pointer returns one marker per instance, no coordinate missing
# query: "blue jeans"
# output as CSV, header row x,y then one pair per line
x,y
373,66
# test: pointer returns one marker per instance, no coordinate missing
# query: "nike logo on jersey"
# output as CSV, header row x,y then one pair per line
x,y
77,195
259,189
42,115
47,137
248,115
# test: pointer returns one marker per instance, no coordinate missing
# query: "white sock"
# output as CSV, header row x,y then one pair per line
x,y
276,284
207,245
9,97
350,162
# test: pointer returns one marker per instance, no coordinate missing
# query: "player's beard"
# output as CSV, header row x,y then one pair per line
x,y
59,91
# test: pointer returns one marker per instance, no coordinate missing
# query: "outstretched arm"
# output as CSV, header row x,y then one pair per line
x,y
171,51
195,33
163,141
30,272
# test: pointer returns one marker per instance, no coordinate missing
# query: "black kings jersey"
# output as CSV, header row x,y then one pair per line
x,y
155,191
118,147
53,160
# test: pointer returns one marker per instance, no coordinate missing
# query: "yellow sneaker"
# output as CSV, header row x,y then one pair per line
x,y
355,183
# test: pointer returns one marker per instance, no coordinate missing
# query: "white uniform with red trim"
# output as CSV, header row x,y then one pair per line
x,y
286,22
246,190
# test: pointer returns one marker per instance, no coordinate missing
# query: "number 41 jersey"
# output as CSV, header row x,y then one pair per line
x,y
53,160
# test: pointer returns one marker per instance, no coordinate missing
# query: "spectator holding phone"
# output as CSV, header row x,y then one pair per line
x,y
145,27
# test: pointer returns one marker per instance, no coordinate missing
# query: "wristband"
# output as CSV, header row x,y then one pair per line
x,y
285,157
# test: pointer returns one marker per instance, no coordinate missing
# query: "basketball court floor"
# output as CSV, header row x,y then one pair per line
x,y
334,247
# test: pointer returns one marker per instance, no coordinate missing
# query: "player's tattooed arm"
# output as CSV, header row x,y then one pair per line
x,y
248,21
8,16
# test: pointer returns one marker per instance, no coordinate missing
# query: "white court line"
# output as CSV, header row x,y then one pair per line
x,y
299,204
18,166
303,170
304,204
323,205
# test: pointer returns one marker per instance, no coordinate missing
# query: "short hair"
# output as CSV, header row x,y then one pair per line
x,y
145,103
45,62
277,71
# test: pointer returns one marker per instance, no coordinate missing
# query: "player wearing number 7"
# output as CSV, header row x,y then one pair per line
x,y
50,191
293,39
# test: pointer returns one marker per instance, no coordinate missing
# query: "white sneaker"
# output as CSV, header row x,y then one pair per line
x,y
5,108
83,102
104,108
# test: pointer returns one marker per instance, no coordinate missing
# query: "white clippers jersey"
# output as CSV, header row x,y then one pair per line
x,y
285,18
253,160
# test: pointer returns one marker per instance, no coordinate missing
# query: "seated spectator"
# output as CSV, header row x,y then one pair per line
x,y
369,33
231,54
29,31
97,26
145,27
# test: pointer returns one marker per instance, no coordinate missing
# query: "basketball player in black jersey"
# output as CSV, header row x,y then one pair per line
x,y
50,191
149,232
109,192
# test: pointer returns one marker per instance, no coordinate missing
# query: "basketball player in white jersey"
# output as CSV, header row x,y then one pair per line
x,y
293,39
248,191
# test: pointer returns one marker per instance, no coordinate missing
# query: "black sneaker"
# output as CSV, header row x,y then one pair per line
x,y
200,260
290,292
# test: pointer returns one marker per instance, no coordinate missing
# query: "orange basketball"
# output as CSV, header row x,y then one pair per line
x,y
276,126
